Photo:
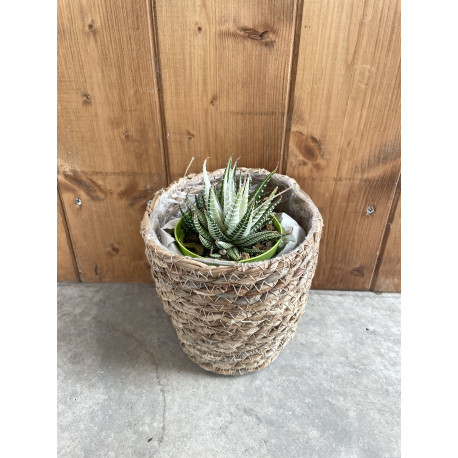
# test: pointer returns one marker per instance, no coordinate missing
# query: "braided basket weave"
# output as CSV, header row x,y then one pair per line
x,y
233,319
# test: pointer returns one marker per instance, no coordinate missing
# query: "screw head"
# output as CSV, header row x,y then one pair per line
x,y
78,201
370,210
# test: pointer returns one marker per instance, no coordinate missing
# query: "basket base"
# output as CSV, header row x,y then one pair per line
x,y
238,363
244,369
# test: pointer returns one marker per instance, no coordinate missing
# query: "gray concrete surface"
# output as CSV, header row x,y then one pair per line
x,y
126,389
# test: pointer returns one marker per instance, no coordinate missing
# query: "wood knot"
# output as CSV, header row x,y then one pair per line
x,y
85,184
199,29
265,38
91,27
260,36
310,148
87,99
114,249
357,271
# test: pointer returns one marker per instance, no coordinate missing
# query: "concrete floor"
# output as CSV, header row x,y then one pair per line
x,y
126,389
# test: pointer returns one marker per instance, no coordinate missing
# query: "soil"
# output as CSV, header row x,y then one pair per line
x,y
191,242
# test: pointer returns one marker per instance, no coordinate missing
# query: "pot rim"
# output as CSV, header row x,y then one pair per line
x,y
261,257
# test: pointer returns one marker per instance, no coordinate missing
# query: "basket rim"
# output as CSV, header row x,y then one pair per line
x,y
151,240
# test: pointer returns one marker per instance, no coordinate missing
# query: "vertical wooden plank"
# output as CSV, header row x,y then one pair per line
x,y
344,147
225,68
66,265
389,272
110,152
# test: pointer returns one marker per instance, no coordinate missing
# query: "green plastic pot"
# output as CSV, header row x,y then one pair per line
x,y
179,235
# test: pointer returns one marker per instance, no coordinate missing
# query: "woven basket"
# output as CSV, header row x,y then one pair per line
x,y
233,319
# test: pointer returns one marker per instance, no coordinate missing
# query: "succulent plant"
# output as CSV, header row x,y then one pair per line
x,y
228,219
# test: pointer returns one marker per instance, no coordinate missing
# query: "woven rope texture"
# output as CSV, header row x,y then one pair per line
x,y
233,319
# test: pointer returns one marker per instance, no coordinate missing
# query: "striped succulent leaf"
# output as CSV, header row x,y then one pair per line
x,y
187,221
257,237
252,251
256,196
233,253
200,203
207,186
265,216
231,219
195,211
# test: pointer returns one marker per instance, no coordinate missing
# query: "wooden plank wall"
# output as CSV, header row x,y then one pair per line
x,y
110,152
345,135
311,86
387,275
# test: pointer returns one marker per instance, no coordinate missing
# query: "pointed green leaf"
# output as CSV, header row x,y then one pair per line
x,y
243,228
259,210
227,188
233,253
260,188
200,229
214,230
196,211
250,250
224,180
187,221
231,187
233,218
200,202
216,211
223,245
265,216
252,239
244,202
207,185
206,243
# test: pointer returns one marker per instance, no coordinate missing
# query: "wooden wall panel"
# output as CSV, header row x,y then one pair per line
x,y
66,266
110,152
145,86
344,147
389,272
225,69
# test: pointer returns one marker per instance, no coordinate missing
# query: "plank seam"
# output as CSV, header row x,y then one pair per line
x,y
292,85
157,76
67,233
386,234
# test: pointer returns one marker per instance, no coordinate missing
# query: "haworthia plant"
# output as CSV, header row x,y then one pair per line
x,y
228,222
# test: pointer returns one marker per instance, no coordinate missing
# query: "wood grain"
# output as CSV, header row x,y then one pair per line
x,y
145,86
110,151
66,266
105,227
389,272
344,147
225,71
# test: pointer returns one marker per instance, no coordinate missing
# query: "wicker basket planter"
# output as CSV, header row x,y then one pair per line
x,y
233,319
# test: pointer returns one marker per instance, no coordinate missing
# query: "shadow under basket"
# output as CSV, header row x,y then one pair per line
x,y
233,319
